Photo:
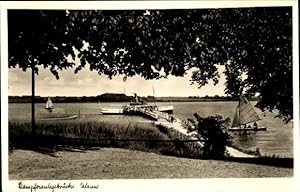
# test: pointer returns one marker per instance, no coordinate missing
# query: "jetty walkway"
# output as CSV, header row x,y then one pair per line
x,y
179,126
148,111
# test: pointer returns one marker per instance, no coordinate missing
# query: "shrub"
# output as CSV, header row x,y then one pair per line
x,y
212,131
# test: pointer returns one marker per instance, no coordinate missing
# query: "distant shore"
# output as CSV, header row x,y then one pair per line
x,y
120,98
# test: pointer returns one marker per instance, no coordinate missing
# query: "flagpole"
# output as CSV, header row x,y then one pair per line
x,y
154,95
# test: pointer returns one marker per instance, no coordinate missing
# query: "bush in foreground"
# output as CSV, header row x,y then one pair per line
x,y
212,132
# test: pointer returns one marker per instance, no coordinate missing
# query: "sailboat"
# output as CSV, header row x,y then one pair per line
x,y
49,105
244,115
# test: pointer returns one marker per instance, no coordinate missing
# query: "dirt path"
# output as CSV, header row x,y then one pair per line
x,y
236,153
177,125
113,163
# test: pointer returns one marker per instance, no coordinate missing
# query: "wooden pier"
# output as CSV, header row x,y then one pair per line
x,y
160,118
148,111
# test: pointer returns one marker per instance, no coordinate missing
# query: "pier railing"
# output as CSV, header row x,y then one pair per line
x,y
151,112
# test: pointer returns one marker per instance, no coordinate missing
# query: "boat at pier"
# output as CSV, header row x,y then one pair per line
x,y
136,103
111,111
166,109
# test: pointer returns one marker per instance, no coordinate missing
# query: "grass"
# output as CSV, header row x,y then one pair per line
x,y
55,136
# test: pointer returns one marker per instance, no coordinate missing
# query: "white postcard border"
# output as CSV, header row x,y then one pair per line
x,y
255,184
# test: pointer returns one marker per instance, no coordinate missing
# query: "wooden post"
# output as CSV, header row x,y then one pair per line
x,y
33,103
66,109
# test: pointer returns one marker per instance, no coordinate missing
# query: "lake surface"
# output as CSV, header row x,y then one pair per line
x,y
278,139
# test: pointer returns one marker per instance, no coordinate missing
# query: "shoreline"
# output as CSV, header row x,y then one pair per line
x,y
158,101
177,125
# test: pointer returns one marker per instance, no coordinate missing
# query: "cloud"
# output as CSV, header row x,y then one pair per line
x,y
90,83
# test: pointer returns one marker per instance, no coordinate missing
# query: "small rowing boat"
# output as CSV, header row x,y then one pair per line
x,y
59,118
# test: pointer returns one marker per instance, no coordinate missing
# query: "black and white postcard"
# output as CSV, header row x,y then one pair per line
x,y
149,96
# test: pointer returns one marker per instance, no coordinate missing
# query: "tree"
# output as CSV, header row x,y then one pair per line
x,y
261,50
38,38
254,44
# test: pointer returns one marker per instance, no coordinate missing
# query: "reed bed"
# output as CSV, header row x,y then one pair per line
x,y
83,132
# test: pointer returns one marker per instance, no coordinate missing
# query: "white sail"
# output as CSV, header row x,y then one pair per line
x,y
49,104
245,113
236,121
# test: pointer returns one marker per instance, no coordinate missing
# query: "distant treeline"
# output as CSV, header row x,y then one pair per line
x,y
107,97
57,99
115,97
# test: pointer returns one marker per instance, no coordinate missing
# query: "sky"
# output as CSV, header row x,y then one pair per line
x,y
89,83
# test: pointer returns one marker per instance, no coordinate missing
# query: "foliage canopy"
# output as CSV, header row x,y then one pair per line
x,y
254,44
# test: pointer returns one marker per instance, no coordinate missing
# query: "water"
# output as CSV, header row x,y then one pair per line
x,y
278,139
